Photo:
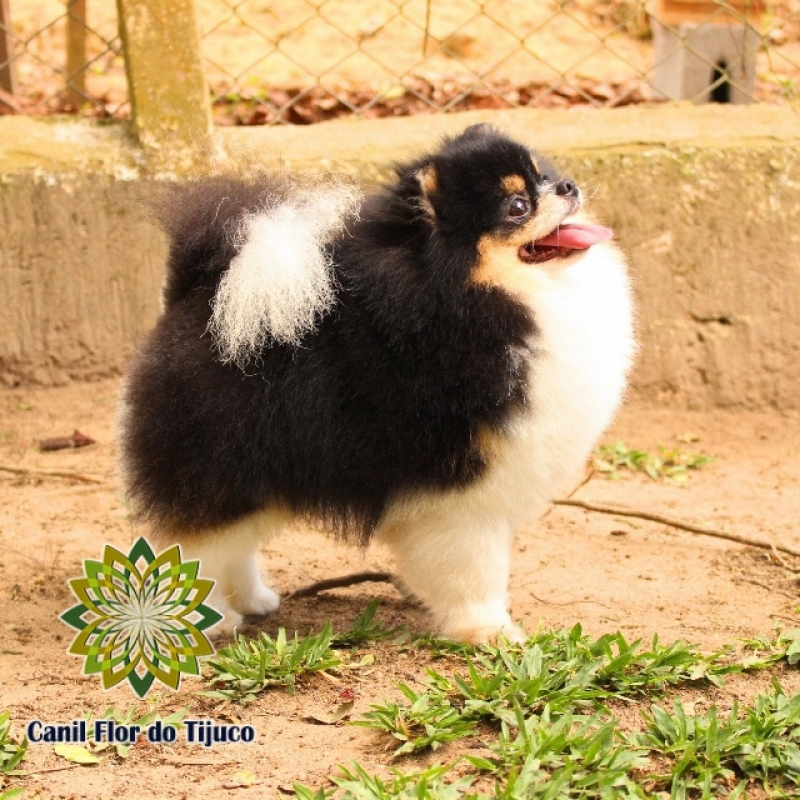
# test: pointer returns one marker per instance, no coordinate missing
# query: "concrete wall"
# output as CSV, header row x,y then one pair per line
x,y
705,200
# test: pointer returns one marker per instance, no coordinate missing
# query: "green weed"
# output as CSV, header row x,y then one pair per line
x,y
131,717
365,630
708,752
12,752
248,666
357,784
669,463
562,754
12,749
426,722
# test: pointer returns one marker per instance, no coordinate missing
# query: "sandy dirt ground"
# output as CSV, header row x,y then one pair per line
x,y
608,573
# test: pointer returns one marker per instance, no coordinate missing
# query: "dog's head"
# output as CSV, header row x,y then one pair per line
x,y
506,203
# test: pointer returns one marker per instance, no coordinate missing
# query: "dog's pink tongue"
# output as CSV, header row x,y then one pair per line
x,y
576,236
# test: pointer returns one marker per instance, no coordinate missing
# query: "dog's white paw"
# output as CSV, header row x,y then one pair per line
x,y
261,600
231,621
478,628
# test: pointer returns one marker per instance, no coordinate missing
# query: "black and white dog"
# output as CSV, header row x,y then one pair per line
x,y
428,365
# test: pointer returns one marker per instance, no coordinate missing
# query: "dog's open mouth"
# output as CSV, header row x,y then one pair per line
x,y
563,241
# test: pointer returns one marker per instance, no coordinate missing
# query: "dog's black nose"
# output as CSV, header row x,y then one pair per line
x,y
566,187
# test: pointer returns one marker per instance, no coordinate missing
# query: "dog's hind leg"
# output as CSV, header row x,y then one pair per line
x,y
458,565
229,557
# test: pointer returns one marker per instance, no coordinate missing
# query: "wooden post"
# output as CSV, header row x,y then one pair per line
x,y
76,53
169,97
8,71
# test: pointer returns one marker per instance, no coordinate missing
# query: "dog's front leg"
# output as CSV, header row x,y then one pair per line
x,y
458,565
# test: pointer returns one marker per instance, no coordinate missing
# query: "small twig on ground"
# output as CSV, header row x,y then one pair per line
x,y
569,602
770,589
676,523
588,475
49,473
777,556
784,618
338,583
194,762
43,770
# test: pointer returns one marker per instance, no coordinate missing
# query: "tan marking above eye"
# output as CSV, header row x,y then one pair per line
x,y
429,185
513,184
428,179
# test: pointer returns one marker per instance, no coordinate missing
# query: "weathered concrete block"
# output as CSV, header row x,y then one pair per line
x,y
705,62
710,221
80,267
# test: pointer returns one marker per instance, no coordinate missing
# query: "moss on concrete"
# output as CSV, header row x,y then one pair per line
x,y
167,86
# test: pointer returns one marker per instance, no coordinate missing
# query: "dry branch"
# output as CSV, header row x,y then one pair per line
x,y
616,511
338,583
50,473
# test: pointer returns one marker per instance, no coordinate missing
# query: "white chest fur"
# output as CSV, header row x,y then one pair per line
x,y
453,549
579,360
578,363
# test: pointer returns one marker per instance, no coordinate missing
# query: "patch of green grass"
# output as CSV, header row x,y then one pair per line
x,y
12,752
131,717
248,666
771,650
562,754
426,722
356,783
566,669
552,736
710,752
365,630
12,748
668,463
540,714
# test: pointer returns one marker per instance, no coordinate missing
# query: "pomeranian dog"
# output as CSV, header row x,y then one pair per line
x,y
428,365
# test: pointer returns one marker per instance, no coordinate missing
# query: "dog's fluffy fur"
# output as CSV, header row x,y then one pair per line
x,y
427,366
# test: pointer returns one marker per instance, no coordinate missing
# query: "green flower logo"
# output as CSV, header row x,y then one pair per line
x,y
141,617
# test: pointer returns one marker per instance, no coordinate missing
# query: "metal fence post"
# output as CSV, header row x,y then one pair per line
x,y
167,86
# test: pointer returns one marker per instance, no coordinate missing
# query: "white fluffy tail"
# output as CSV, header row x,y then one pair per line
x,y
280,282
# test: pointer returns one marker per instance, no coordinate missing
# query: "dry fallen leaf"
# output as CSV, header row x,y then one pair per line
x,y
241,780
77,439
75,753
339,713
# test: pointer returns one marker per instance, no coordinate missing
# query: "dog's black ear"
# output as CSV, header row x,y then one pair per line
x,y
428,181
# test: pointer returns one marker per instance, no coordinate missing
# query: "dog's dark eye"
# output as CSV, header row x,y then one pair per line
x,y
520,207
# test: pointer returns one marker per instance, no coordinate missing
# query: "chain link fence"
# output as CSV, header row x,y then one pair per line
x,y
302,61
61,56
